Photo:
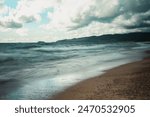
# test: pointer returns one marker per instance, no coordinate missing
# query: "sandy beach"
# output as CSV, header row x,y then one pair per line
x,y
129,81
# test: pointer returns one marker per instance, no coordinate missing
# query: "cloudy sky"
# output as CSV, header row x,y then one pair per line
x,y
51,20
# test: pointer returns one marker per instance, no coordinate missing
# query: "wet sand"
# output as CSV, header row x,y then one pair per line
x,y
129,81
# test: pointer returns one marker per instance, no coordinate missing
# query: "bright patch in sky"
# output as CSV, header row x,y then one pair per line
x,y
44,15
11,3
51,20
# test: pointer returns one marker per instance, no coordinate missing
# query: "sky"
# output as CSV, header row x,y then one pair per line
x,y
52,20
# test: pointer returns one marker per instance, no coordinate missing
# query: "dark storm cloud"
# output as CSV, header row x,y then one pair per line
x,y
10,24
140,25
27,19
140,21
135,6
88,20
128,9
137,9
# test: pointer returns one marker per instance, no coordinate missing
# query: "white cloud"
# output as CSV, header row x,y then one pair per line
x,y
22,31
95,17
74,18
3,9
74,13
29,10
26,11
10,22
138,20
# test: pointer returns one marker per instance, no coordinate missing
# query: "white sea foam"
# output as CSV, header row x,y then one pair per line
x,y
42,71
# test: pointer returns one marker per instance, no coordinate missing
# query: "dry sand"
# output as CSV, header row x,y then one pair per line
x,y
130,81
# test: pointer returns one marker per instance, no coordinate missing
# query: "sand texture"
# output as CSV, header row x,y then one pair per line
x,y
129,81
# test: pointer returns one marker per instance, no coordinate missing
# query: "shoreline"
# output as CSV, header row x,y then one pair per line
x,y
128,81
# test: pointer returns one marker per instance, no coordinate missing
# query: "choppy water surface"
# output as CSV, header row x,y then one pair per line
x,y
37,71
